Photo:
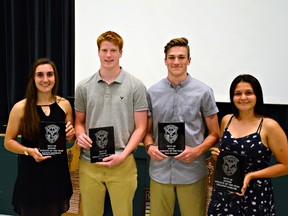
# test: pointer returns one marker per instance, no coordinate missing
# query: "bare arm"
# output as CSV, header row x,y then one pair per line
x,y
83,140
213,134
70,131
277,143
191,153
275,138
12,131
215,150
149,138
138,134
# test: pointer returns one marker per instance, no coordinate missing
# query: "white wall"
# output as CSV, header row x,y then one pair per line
x,y
226,37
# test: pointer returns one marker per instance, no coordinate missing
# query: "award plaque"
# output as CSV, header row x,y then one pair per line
x,y
230,171
103,144
52,139
146,201
171,138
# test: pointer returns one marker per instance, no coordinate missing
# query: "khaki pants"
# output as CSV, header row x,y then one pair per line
x,y
191,198
120,181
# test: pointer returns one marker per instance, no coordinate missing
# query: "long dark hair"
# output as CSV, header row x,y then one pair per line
x,y
30,122
259,107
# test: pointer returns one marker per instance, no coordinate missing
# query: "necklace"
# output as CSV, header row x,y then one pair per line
x,y
46,106
46,109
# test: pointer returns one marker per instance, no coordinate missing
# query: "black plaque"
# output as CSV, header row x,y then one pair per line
x,y
146,201
52,139
103,143
171,138
230,171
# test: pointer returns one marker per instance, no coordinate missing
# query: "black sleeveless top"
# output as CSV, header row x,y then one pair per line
x,y
258,199
43,188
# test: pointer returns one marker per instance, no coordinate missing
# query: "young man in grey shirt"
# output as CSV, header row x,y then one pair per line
x,y
180,98
110,98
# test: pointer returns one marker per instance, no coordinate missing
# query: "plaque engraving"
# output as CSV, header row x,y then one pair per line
x,y
146,201
103,144
230,171
171,138
52,139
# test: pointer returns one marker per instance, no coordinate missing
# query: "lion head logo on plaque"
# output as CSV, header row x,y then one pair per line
x,y
52,133
170,134
230,164
101,138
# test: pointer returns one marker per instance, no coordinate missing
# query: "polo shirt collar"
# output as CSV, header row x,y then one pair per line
x,y
119,78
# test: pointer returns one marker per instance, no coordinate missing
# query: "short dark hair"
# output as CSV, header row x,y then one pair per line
x,y
259,107
177,42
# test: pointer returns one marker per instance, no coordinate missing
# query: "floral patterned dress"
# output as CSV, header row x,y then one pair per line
x,y
258,199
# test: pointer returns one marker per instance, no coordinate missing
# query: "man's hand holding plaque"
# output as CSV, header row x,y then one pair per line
x,y
103,144
230,171
52,139
171,138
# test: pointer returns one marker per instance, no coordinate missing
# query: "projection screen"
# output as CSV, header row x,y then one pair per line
x,y
226,38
